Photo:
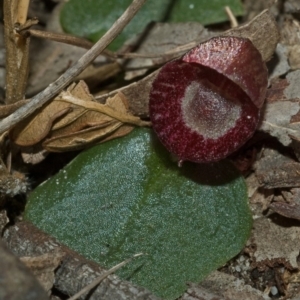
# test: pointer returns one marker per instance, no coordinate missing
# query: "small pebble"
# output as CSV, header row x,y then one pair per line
x,y
274,290
238,268
242,258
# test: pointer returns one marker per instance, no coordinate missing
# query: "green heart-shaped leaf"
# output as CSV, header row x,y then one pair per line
x,y
127,196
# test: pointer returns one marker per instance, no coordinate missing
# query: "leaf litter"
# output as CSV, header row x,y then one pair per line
x,y
274,247
73,120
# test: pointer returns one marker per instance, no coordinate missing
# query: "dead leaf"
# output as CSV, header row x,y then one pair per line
x,y
276,240
37,126
277,120
86,137
162,38
279,65
290,31
6,110
262,31
290,195
199,293
222,286
293,89
190,34
137,94
281,117
93,75
289,210
292,6
74,121
294,56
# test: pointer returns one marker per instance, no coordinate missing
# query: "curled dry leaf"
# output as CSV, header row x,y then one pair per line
x,y
73,121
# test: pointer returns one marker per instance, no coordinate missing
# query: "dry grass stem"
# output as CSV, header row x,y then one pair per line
x,y
124,118
231,17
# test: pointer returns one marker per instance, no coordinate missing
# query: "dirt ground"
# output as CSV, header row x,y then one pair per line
x,y
268,266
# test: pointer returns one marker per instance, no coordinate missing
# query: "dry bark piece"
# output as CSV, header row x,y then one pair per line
x,y
289,210
74,272
199,293
221,286
276,91
16,281
275,170
43,267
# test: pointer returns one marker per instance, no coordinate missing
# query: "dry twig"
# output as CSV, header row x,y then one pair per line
x,y
95,282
